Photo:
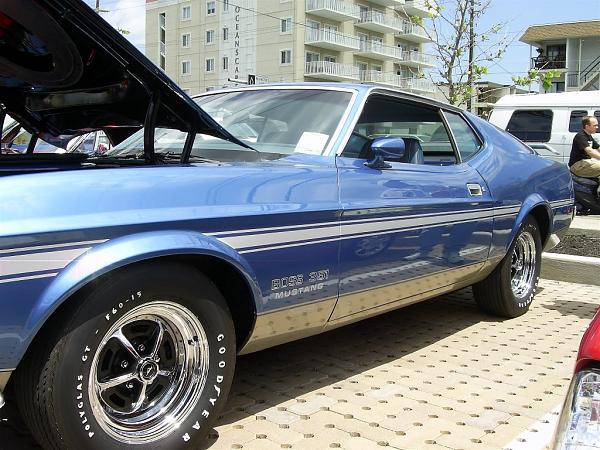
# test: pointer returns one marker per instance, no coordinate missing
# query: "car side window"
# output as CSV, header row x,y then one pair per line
x,y
466,140
575,120
533,125
421,127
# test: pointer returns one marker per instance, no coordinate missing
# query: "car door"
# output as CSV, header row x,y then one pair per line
x,y
417,226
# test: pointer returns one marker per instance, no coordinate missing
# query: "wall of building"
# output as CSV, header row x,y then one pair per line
x,y
255,42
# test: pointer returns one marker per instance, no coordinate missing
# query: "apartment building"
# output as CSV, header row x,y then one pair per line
x,y
208,44
572,48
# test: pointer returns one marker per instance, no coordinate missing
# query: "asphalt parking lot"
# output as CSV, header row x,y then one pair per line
x,y
439,374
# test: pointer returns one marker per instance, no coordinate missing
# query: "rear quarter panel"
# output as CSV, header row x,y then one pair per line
x,y
519,180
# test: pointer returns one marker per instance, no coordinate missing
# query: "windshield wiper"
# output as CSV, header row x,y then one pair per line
x,y
160,156
163,156
108,156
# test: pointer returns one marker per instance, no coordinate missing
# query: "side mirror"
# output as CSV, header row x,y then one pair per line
x,y
386,148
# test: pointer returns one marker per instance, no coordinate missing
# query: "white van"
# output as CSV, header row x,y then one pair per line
x,y
546,122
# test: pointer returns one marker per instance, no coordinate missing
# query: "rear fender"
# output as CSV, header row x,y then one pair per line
x,y
123,251
532,202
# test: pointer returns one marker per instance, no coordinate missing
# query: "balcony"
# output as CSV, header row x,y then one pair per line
x,y
549,62
413,32
376,76
331,40
417,59
376,50
333,9
391,79
326,70
420,84
392,3
380,23
416,8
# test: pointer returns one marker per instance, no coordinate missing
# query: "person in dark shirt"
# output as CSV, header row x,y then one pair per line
x,y
585,156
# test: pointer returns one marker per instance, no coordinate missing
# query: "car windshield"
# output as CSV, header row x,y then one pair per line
x,y
274,122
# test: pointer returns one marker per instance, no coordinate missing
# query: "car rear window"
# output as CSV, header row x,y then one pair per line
x,y
533,125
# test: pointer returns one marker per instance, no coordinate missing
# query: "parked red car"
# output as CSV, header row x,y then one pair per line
x,y
579,424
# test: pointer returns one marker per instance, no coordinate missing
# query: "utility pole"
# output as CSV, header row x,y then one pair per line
x,y
471,78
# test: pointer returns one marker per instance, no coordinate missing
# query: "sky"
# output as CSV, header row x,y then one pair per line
x,y
518,15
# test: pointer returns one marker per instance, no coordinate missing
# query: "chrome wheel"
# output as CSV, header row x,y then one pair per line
x,y
523,265
148,372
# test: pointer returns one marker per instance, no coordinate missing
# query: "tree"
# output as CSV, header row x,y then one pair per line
x,y
455,30
535,76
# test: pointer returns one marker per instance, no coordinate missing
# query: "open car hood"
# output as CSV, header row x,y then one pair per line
x,y
65,71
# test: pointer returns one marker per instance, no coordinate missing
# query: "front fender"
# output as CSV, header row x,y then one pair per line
x,y
123,251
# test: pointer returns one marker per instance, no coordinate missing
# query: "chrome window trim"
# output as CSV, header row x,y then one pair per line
x,y
453,142
352,124
478,136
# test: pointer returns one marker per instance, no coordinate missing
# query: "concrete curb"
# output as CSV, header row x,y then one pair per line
x,y
586,225
571,268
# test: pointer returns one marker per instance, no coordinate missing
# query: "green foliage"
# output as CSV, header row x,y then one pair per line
x,y
536,76
416,20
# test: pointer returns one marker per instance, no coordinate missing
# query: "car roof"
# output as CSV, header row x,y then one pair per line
x,y
571,99
361,88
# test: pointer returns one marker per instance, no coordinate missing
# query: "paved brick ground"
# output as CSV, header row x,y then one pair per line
x,y
438,374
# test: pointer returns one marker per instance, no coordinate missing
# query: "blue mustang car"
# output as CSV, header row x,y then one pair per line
x,y
226,224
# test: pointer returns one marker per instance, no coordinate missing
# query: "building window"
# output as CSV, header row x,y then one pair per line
x,y
211,8
364,12
225,62
285,57
312,56
210,36
185,40
225,5
186,67
330,58
186,12
225,34
286,25
162,22
210,64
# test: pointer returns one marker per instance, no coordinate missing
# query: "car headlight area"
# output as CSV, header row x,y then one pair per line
x,y
579,424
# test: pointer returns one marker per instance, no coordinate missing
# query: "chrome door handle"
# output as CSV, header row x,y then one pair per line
x,y
474,189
